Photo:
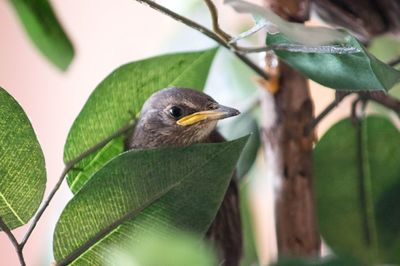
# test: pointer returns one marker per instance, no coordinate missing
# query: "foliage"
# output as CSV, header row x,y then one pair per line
x,y
357,185
42,26
22,167
162,201
342,71
244,124
326,261
129,195
180,250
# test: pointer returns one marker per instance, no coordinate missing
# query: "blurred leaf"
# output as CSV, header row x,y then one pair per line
x,y
297,32
242,125
22,166
358,214
179,249
327,261
119,98
176,187
386,48
42,26
250,256
350,71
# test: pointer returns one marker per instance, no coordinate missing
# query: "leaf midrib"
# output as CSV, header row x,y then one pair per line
x,y
12,209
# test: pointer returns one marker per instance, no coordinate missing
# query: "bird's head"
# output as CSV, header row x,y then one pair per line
x,y
179,116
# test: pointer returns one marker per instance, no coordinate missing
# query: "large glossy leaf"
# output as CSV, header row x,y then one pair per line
x,y
22,168
42,26
176,187
119,98
347,71
358,190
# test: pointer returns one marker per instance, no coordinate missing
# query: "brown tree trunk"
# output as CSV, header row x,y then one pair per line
x,y
289,144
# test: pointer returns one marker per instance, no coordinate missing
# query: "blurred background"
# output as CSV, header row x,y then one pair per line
x,y
107,34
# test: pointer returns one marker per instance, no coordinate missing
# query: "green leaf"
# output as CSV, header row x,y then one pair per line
x,y
326,261
240,126
22,167
250,256
42,26
179,188
180,249
119,98
347,71
357,193
385,47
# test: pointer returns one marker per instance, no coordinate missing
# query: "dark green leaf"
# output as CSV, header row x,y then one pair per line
x,y
22,167
180,188
357,193
42,26
348,71
119,98
327,261
250,256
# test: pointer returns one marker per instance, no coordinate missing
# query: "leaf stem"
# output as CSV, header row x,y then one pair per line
x,y
13,240
207,33
357,121
68,166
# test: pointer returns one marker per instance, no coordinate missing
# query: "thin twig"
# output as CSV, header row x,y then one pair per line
x,y
206,32
383,99
214,16
68,166
13,240
339,96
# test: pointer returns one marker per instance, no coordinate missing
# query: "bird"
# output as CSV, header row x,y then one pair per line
x,y
179,117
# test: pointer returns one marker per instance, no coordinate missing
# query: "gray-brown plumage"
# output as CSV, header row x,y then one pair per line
x,y
179,117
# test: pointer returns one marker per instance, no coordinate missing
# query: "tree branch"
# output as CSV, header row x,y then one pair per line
x,y
13,240
339,96
383,99
214,16
68,166
206,32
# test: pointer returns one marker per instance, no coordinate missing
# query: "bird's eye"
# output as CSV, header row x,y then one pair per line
x,y
175,111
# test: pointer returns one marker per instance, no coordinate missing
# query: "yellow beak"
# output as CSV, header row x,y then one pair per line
x,y
217,114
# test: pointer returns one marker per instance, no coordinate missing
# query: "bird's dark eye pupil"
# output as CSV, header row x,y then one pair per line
x,y
175,111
